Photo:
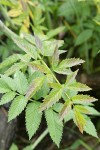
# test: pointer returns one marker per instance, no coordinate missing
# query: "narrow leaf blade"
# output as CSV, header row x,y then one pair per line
x,y
70,62
51,99
80,99
79,120
78,87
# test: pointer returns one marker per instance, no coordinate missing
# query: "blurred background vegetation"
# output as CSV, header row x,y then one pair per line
x,y
77,22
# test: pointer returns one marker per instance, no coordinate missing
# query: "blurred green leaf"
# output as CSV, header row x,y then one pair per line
x,y
83,37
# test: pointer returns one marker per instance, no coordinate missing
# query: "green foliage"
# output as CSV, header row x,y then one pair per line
x,y
64,65
33,121
59,101
9,81
9,61
78,87
53,97
26,46
66,109
79,27
83,30
21,82
79,120
7,97
13,147
17,106
14,68
55,126
44,89
77,144
90,128
34,87
84,36
70,62
80,99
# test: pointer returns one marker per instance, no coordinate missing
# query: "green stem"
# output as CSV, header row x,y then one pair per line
x,y
39,139
47,14
52,74
7,31
87,58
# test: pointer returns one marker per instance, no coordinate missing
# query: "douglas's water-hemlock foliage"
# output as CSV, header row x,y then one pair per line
x,y
30,83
